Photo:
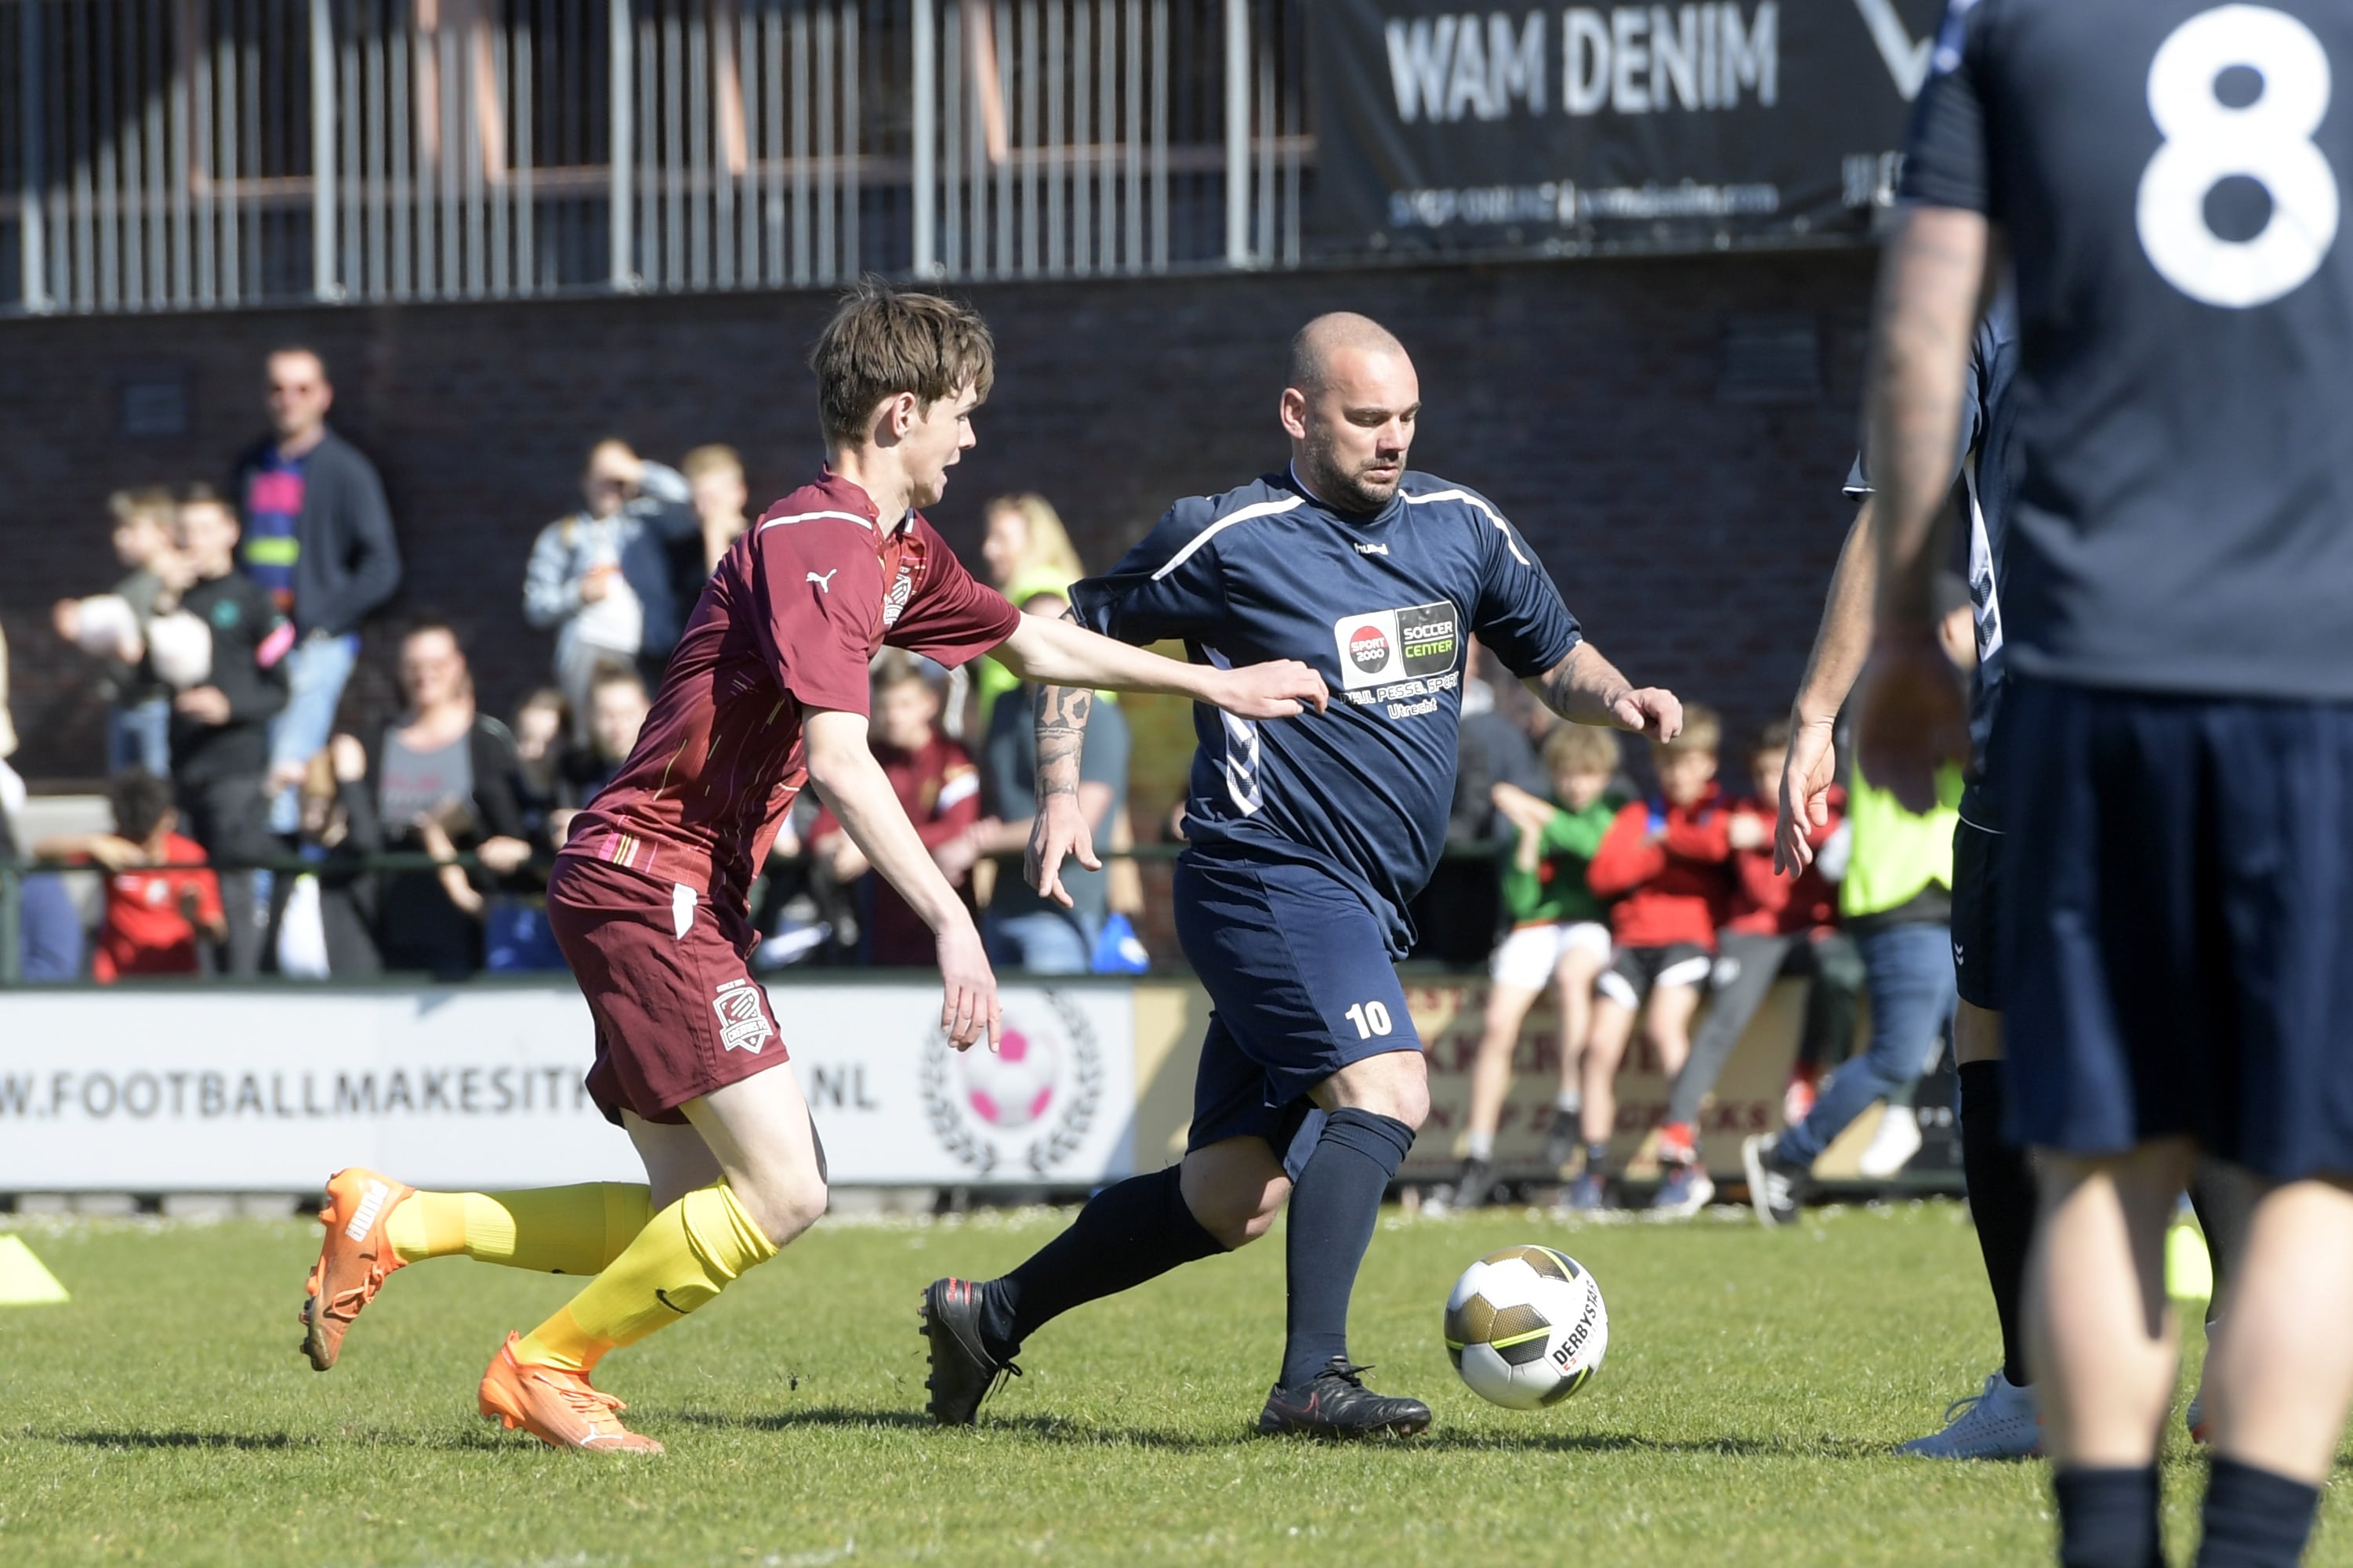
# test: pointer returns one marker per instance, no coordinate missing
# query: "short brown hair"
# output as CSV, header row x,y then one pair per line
x,y
1773,737
1703,731
147,503
1581,749
883,340
715,459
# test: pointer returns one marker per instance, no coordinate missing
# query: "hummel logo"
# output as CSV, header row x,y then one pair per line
x,y
370,1206
826,582
1365,548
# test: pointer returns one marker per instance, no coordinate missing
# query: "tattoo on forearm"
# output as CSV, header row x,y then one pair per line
x,y
1062,721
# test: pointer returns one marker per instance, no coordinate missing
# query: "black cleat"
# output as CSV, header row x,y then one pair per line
x,y
1335,1403
963,1372
1776,1187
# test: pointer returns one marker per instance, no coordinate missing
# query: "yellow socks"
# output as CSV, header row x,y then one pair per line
x,y
685,1256
550,1230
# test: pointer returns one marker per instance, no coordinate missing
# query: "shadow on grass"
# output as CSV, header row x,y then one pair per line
x,y
1078,1433
244,1441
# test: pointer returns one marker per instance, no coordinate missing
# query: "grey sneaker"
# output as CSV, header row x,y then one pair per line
x,y
1775,1186
1685,1191
1999,1422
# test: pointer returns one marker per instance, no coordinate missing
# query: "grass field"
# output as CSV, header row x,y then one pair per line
x,y
1754,1386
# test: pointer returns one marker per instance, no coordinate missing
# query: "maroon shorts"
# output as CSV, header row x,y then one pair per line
x,y
678,1013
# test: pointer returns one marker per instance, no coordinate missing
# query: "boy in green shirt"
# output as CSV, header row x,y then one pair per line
x,y
1559,935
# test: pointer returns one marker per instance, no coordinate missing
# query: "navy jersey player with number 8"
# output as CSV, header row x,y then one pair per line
x,y
2176,751
1308,839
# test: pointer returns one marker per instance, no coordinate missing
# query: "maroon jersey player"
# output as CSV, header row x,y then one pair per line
x,y
766,692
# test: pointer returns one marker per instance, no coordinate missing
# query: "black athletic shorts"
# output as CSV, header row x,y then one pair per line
x,y
2180,904
1977,915
1633,970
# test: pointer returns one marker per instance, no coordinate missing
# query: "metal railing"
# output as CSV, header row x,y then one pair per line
x,y
187,155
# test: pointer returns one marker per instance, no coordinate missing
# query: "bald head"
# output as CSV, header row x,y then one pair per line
x,y
1350,409
1315,347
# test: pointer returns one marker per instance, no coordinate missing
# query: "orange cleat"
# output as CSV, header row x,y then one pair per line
x,y
557,1406
353,1262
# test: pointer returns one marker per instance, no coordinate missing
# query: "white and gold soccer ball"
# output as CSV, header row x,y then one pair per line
x,y
1525,1327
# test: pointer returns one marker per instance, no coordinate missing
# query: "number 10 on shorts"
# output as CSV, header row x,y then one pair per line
x,y
1371,1018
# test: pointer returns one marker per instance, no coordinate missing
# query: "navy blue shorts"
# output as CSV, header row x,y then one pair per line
x,y
1299,985
2180,882
1978,914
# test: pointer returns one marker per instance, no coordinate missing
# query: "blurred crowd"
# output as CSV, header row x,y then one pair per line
x,y
248,833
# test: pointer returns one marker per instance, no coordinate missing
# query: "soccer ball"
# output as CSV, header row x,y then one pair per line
x,y
1525,1327
1011,1087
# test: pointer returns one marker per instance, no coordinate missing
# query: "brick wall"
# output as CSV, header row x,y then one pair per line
x,y
1691,522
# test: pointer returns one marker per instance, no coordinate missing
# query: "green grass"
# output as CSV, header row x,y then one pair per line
x,y
1754,1386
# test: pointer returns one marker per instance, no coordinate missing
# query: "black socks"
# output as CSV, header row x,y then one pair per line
x,y
1334,1205
1136,1230
2002,1202
2254,1519
2107,1518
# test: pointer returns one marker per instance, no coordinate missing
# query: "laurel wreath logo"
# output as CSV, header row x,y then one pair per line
x,y
1046,1149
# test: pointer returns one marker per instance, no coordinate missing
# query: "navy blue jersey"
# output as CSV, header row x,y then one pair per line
x,y
2170,176
1989,473
1382,607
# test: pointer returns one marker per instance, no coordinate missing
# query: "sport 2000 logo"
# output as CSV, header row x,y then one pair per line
x,y
1031,1102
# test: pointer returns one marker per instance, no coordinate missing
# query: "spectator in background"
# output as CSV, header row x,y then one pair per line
x,y
113,627
1454,915
1897,902
49,930
935,782
1027,552
322,922
221,727
318,538
1663,861
600,579
152,917
617,706
443,782
541,726
1021,929
1775,925
1560,936
714,485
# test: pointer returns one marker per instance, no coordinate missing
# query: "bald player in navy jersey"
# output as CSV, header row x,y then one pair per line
x,y
1307,841
2178,736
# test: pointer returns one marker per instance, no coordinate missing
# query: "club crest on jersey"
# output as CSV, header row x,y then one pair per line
x,y
894,604
742,1021
1404,644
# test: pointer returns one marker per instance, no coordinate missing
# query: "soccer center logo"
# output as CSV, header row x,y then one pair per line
x,y
1389,645
1029,1103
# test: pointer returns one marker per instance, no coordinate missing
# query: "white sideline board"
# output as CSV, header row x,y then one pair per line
x,y
187,1089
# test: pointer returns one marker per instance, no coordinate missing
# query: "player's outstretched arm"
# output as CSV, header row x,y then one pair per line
x,y
1842,645
1063,653
1913,717
1585,689
842,766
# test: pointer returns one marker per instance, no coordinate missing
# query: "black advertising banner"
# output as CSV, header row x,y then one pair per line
x,y
1578,127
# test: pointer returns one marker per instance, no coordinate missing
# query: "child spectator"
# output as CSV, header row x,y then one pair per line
x,y
113,628
221,727
1558,936
152,917
935,782
542,726
1663,861
600,579
322,922
1775,925
716,488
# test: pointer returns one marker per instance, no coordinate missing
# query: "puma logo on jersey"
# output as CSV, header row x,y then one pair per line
x,y
826,582
370,1205
1365,547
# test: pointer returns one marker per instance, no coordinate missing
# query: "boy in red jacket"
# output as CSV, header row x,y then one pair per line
x,y
1773,924
1665,861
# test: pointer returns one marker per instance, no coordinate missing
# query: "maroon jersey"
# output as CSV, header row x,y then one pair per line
x,y
790,621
